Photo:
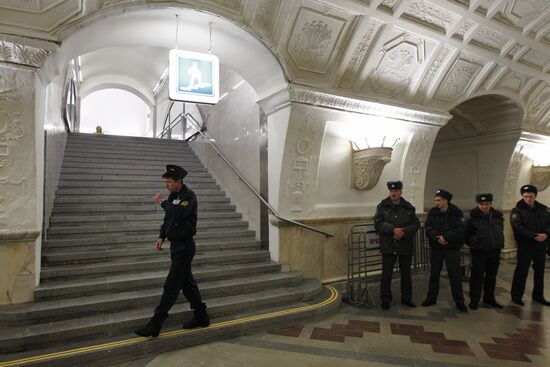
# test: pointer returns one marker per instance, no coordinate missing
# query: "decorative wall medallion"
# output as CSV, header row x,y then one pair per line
x,y
540,177
491,39
313,40
431,15
24,55
400,60
307,141
266,15
458,80
368,165
360,54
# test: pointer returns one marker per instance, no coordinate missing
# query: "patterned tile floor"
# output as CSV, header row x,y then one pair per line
x,y
432,336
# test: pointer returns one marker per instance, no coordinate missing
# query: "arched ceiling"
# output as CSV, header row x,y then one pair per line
x,y
482,115
418,53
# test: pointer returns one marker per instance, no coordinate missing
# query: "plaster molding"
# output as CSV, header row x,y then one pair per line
x,y
540,177
368,165
23,55
22,235
299,94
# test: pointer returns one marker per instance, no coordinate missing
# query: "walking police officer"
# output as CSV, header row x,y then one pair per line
x,y
396,223
179,226
485,237
531,224
445,231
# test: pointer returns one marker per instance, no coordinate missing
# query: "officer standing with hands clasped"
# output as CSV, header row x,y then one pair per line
x,y
531,224
179,226
445,231
396,223
485,236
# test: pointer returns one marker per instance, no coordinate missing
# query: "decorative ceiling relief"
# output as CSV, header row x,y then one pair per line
x,y
458,79
431,15
512,81
266,15
522,12
535,58
360,54
401,59
539,104
23,55
316,39
389,3
234,5
41,15
430,77
465,27
491,39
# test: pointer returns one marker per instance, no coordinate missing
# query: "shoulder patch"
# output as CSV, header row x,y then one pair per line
x,y
514,215
184,203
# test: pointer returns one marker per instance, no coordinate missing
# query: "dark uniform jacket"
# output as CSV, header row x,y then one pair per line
x,y
527,222
180,216
485,232
449,224
389,216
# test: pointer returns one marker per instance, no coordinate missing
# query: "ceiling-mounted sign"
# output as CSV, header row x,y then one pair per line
x,y
193,77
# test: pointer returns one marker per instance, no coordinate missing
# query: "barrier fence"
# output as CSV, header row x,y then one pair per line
x,y
365,261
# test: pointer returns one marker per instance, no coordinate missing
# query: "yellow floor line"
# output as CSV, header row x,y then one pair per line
x,y
334,295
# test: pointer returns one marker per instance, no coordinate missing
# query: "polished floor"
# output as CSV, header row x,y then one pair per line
x,y
434,336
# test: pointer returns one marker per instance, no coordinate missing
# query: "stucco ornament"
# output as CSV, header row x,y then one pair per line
x,y
368,165
540,177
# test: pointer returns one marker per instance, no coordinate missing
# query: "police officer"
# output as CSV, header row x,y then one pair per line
x,y
485,237
445,231
531,224
179,226
396,223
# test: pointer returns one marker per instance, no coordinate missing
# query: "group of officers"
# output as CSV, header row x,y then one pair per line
x,y
447,231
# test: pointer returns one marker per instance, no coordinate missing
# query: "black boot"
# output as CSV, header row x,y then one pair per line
x,y
200,318
151,329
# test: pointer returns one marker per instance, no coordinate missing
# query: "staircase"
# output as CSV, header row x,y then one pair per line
x,y
101,276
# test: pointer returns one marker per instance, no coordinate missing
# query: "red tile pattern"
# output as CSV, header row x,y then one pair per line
x,y
515,347
438,341
292,331
339,332
520,313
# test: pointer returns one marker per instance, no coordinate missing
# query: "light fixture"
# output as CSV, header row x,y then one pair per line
x,y
368,164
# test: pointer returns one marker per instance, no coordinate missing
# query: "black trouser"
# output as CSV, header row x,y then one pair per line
x,y
388,263
179,279
452,261
484,271
527,253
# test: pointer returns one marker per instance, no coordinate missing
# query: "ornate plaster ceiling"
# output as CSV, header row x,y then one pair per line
x,y
417,53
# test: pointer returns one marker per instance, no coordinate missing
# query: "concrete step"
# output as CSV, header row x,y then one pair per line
x,y
96,254
64,289
203,226
144,263
127,199
182,155
74,179
201,184
131,172
140,165
57,333
101,219
212,238
187,162
139,297
118,141
101,190
146,208
142,149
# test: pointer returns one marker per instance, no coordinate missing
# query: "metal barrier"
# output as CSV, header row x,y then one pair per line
x,y
365,261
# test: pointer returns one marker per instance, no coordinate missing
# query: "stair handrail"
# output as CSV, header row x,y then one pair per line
x,y
195,123
166,118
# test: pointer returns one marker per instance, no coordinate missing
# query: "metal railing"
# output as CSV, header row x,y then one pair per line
x,y
189,118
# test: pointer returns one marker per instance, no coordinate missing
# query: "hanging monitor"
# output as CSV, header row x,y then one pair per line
x,y
193,77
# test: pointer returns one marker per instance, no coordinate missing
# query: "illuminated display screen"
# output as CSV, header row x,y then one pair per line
x,y
193,77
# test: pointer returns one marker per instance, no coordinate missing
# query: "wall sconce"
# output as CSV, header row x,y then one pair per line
x,y
540,177
368,163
